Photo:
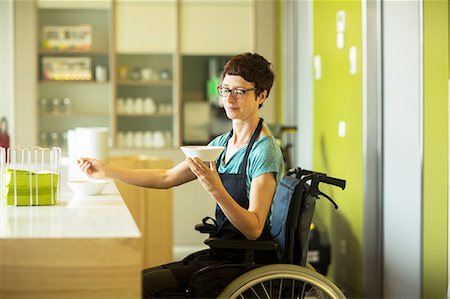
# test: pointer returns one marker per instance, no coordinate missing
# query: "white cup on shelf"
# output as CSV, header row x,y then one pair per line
x,y
148,139
120,139
138,106
129,106
149,106
138,139
158,139
120,106
129,139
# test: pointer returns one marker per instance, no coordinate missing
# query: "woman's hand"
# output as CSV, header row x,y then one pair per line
x,y
208,176
92,167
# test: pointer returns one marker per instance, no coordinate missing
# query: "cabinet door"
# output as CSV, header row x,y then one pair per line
x,y
146,26
151,210
216,26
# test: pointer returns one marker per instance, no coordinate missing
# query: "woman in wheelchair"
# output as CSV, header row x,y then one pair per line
x,y
242,181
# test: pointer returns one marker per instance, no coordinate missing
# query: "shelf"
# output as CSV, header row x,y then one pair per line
x,y
73,51
146,115
73,82
74,114
145,82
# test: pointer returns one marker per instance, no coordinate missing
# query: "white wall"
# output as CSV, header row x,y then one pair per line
x,y
403,145
304,109
25,60
6,63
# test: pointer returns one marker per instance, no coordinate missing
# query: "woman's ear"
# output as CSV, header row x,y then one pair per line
x,y
262,97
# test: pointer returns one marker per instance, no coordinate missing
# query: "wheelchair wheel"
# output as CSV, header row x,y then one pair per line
x,y
281,281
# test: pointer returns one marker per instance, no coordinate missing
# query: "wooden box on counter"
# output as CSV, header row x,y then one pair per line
x,y
151,209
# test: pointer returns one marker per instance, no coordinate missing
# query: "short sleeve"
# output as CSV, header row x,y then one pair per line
x,y
266,157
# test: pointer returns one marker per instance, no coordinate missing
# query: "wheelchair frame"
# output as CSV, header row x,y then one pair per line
x,y
291,278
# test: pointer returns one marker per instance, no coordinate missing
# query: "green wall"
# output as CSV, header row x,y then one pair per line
x,y
435,176
338,97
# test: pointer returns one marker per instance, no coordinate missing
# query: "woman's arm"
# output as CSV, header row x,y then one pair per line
x,y
249,222
151,178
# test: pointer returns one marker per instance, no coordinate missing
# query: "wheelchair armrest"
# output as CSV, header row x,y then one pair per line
x,y
205,228
241,244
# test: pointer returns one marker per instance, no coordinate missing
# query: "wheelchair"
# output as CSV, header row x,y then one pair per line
x,y
292,212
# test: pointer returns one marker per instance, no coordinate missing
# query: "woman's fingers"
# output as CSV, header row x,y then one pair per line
x,y
197,166
85,165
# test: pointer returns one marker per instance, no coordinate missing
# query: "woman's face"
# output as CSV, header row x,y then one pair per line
x,y
244,107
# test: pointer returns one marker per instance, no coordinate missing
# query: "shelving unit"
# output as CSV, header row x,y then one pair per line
x,y
157,50
65,98
145,104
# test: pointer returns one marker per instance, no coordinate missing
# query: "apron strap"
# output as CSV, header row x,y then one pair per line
x,y
242,167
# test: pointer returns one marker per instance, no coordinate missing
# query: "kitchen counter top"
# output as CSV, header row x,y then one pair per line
x,y
99,216
83,247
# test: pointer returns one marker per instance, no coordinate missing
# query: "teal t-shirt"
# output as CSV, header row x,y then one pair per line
x,y
264,157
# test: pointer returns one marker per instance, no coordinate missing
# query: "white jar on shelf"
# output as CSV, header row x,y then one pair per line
x,y
129,106
138,106
138,139
149,106
120,106
129,139
148,139
158,139
121,139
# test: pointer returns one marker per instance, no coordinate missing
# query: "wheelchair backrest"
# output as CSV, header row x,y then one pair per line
x,y
292,212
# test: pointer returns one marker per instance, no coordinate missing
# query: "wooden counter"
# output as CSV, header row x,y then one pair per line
x,y
83,247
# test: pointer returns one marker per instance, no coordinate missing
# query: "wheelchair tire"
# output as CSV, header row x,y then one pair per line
x,y
281,281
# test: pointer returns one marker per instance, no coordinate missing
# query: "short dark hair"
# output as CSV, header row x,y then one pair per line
x,y
253,68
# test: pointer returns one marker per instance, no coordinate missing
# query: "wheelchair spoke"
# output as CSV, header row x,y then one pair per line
x,y
303,291
254,292
293,288
265,291
281,287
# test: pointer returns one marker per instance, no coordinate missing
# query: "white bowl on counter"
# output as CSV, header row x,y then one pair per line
x,y
204,153
87,187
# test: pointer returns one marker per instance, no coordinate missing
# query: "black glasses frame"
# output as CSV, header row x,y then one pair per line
x,y
237,93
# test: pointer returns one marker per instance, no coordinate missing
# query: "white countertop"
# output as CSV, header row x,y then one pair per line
x,y
100,216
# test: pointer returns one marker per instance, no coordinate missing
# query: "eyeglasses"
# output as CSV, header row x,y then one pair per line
x,y
237,93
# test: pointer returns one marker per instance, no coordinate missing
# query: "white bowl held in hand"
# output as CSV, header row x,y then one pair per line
x,y
204,153
87,187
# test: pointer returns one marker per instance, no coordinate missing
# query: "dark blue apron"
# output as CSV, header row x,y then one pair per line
x,y
235,184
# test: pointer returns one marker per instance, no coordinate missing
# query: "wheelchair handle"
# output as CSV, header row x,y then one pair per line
x,y
300,172
316,178
333,181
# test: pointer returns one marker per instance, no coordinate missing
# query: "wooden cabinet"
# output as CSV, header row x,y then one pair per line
x,y
217,27
146,26
151,209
